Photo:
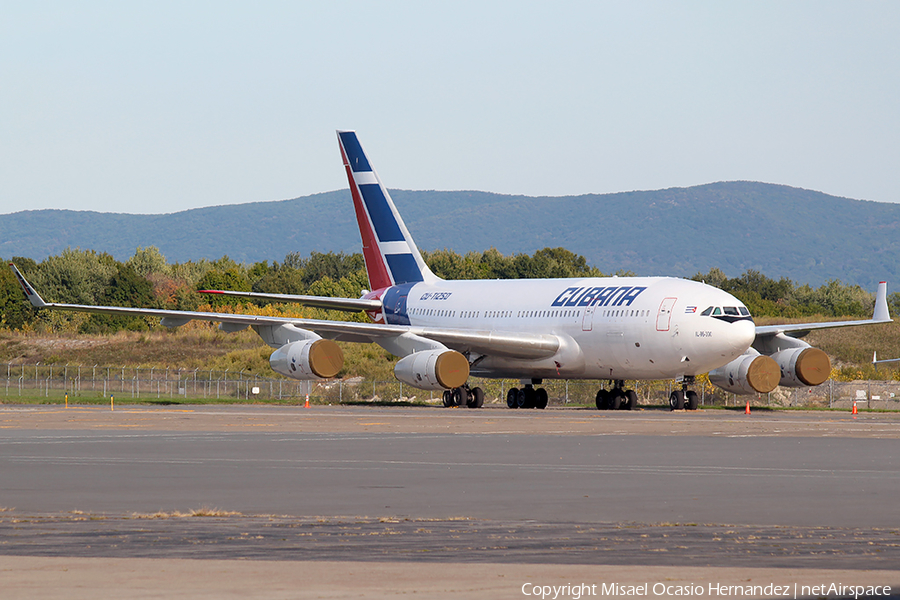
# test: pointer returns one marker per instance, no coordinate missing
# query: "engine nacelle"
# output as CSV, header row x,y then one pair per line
x,y
801,367
308,359
747,374
440,369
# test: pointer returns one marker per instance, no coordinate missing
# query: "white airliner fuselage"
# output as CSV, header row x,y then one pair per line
x,y
609,328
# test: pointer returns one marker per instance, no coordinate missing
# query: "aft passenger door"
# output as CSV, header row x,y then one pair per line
x,y
664,316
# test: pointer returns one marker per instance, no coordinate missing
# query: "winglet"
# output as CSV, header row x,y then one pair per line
x,y
881,306
33,296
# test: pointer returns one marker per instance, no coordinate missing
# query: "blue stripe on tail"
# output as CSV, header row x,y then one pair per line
x,y
358,161
383,220
404,268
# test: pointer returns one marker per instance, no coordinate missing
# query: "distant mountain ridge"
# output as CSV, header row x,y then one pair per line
x,y
809,237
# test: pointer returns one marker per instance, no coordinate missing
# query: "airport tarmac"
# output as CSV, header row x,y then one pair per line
x,y
441,502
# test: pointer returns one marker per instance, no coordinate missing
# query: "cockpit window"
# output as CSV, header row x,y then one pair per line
x,y
729,314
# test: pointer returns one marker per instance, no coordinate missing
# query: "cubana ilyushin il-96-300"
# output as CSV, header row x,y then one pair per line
x,y
613,329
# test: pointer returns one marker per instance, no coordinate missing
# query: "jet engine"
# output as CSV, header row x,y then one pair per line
x,y
749,373
308,359
440,369
802,366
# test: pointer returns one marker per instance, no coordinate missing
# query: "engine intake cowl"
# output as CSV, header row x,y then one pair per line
x,y
801,367
308,359
747,374
433,369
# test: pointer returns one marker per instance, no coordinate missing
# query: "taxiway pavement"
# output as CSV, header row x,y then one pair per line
x,y
772,490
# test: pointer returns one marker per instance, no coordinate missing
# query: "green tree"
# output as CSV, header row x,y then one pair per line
x,y
332,265
75,276
15,309
230,279
149,261
126,288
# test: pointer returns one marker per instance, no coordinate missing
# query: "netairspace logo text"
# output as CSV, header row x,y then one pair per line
x,y
576,591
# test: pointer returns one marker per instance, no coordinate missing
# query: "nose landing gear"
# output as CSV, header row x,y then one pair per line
x,y
684,398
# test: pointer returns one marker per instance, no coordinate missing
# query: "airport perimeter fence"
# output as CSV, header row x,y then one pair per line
x,y
99,382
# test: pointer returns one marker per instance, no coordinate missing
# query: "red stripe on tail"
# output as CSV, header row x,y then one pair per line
x,y
379,276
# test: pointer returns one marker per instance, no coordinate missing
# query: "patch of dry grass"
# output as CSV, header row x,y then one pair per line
x,y
196,348
202,347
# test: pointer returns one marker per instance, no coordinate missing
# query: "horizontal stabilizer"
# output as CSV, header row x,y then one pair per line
x,y
345,304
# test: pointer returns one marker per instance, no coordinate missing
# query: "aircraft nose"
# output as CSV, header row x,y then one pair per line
x,y
740,335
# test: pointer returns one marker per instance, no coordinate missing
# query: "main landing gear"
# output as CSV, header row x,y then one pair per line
x,y
684,398
616,398
527,397
464,396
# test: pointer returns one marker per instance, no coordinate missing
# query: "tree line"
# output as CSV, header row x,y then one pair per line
x,y
147,279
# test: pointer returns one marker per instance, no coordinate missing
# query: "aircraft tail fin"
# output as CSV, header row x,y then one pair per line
x,y
391,255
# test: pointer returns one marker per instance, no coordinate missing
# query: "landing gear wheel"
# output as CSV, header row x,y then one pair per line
x,y
460,396
541,398
676,400
477,398
631,400
526,397
448,398
601,399
616,397
692,401
512,398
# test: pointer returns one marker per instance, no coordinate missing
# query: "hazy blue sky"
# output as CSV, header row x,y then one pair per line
x,y
162,106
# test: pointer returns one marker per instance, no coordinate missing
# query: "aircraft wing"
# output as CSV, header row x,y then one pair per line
x,y
496,343
798,330
507,344
346,304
